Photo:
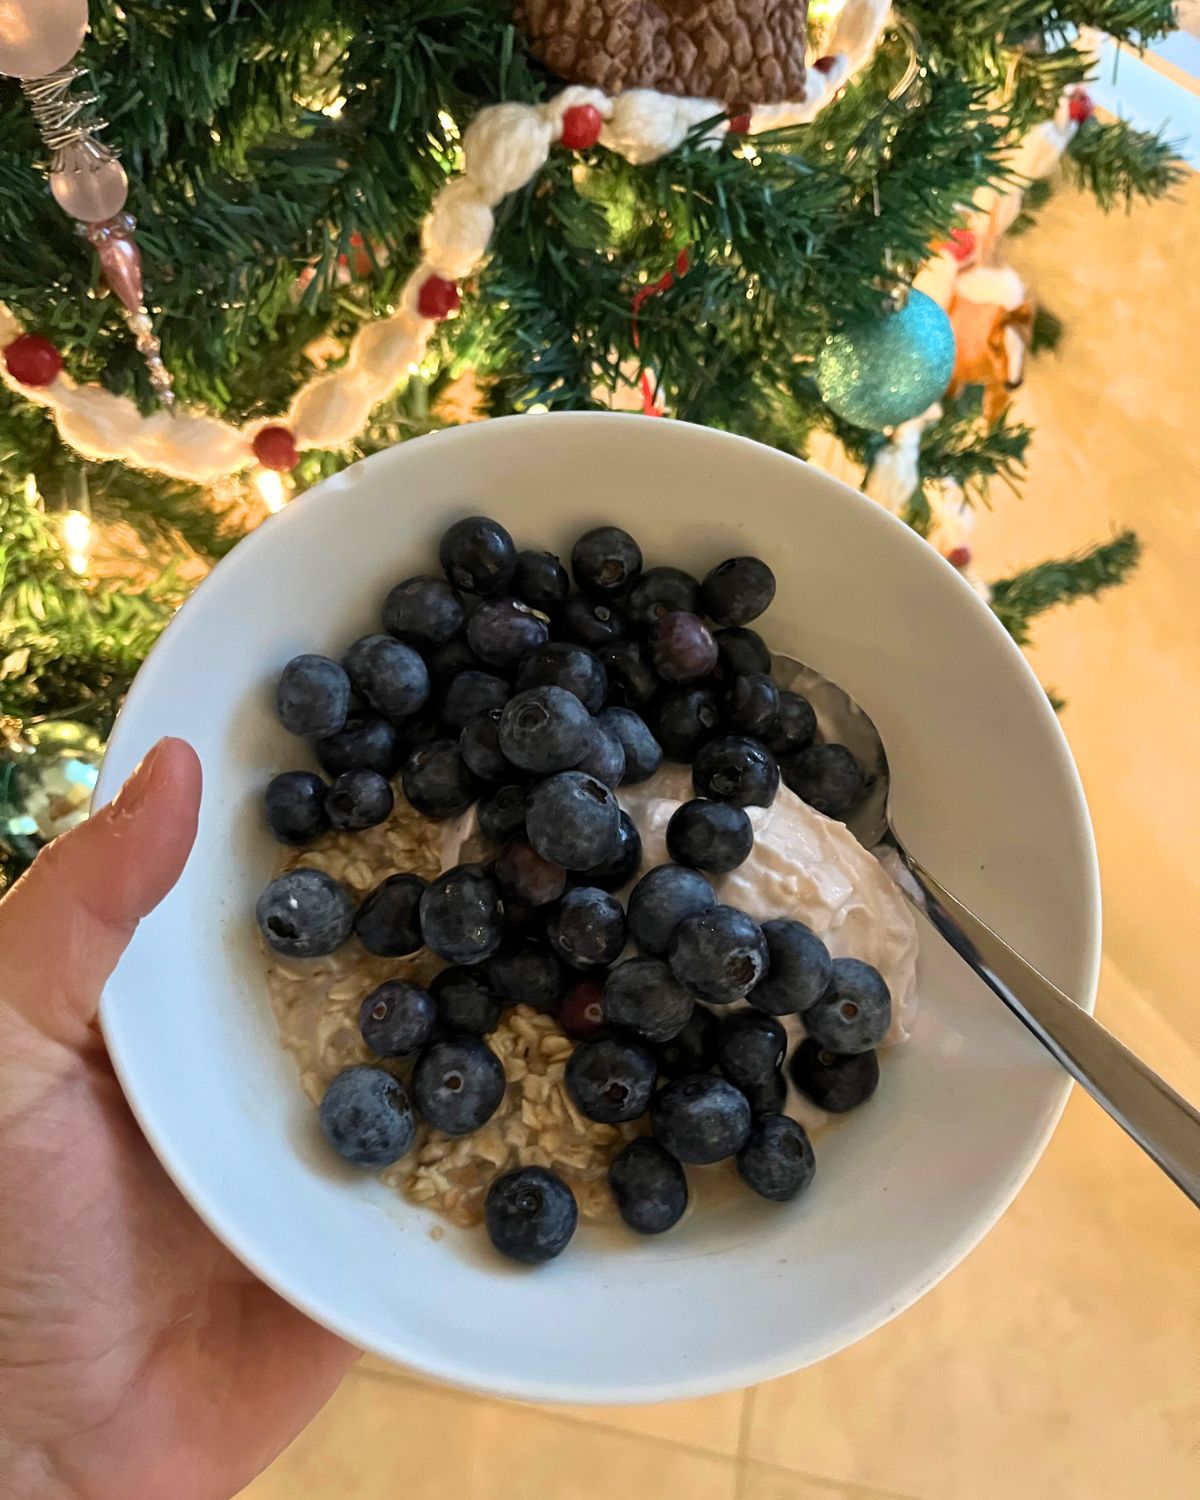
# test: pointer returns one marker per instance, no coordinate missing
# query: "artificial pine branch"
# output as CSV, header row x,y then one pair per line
x,y
1020,599
1119,164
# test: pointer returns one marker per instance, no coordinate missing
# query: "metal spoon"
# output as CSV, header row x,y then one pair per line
x,y
1161,1121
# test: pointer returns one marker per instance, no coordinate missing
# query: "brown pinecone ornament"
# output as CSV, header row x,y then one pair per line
x,y
737,51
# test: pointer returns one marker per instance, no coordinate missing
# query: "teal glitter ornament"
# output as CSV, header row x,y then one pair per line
x,y
879,372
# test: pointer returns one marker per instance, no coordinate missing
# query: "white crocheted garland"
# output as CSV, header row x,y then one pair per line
x,y
504,148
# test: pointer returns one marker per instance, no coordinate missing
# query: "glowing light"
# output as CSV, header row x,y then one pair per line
x,y
335,107
537,408
449,124
270,490
77,538
30,490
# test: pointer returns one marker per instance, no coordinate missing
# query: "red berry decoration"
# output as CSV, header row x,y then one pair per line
x,y
275,448
437,298
958,557
961,244
581,127
825,64
33,360
739,124
1081,109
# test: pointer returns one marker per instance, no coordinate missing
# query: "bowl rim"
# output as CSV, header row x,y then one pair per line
x,y
749,1370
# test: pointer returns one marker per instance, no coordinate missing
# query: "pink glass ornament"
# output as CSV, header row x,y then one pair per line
x,y
88,184
121,262
40,36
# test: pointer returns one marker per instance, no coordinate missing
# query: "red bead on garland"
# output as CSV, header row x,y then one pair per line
x,y
437,298
275,448
958,557
1081,109
581,126
739,124
33,360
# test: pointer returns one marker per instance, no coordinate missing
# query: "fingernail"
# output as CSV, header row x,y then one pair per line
x,y
133,793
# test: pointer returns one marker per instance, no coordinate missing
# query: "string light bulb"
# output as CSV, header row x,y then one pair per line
x,y
77,539
271,490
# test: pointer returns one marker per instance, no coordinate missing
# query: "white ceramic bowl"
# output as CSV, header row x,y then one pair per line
x,y
984,791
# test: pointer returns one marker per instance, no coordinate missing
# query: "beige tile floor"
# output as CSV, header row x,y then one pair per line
x,y
1062,1360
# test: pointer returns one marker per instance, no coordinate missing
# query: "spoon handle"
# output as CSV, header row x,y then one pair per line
x,y
1161,1121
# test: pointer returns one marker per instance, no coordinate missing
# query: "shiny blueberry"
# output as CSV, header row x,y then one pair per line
x,y
501,813
832,1080
661,591
604,757
622,864
572,820
541,580
794,727
465,1001
768,1095
643,995
438,782
683,647
470,693
528,973
752,704
530,1215
735,769
827,777
544,729
562,664
524,876
686,719
643,753
367,1118
304,914
737,590
501,631
740,651
587,928
458,1084
855,1012
462,918
649,1186
611,1077
423,611
366,743
719,954
800,969
604,562
593,622
359,799
662,898
295,807
313,696
750,1048
700,1119
388,923
711,836
397,1018
447,659
581,1013
479,746
478,556
777,1161
387,674
694,1050
632,683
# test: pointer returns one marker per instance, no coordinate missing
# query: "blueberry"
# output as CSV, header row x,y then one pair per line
x,y
752,704
622,864
461,915
834,1081
367,1118
735,769
768,1095
719,954
501,813
593,622
541,580
530,1215
604,757
740,651
562,664
465,1001
524,876
700,1119
661,591
684,648
478,556
694,1050
643,753
827,777
458,1084
611,1077
367,743
388,675
313,696
415,732
501,631
479,746
631,682
581,1013
800,969
605,562
794,726
649,1186
397,1018
438,782
359,799
712,836
750,1048
587,928
643,995
447,659
686,719
737,590
295,807
855,1012
388,923
572,820
662,898
777,1161
544,729
423,611
470,693
527,973
304,914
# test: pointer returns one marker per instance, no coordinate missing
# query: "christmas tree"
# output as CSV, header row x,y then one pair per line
x,y
694,259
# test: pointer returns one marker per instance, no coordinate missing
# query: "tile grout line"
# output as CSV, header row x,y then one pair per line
x,y
846,1487
745,1422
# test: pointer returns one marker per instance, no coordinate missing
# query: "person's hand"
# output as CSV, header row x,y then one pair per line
x,y
138,1359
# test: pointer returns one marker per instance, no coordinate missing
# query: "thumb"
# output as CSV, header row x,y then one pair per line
x,y
67,921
